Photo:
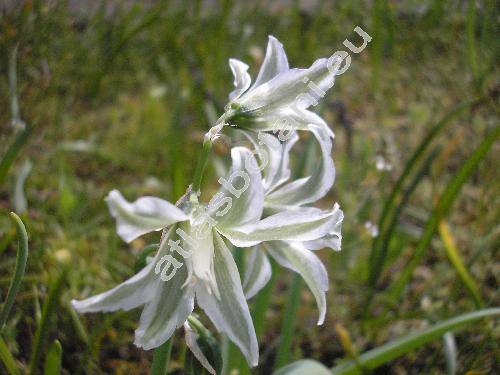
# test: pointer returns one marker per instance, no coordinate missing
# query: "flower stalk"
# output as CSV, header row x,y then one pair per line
x,y
201,166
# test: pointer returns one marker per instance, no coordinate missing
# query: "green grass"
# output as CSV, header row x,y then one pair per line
x,y
116,97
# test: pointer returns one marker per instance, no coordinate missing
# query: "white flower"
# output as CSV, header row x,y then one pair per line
x,y
210,275
280,96
293,196
371,228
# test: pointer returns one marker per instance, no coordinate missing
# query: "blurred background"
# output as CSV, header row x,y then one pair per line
x,y
96,95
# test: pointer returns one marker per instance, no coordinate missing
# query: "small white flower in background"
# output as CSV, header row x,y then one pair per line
x,y
371,228
382,164
158,91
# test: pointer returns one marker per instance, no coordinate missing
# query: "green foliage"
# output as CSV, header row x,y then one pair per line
x,y
161,358
42,331
7,359
13,150
17,277
141,261
53,360
390,211
116,96
209,347
376,357
442,208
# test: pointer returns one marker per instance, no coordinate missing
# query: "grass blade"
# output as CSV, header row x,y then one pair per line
x,y
12,152
262,300
161,358
374,358
22,258
456,261
54,359
15,111
386,236
377,255
7,359
77,324
19,199
42,330
441,209
287,328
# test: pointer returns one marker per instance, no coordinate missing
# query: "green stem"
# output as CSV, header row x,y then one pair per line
x,y
161,358
262,300
22,257
287,328
202,163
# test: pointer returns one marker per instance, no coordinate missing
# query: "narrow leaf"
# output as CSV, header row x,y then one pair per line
x,y
12,152
377,256
443,206
374,358
386,236
7,359
288,325
41,332
22,258
54,359
458,264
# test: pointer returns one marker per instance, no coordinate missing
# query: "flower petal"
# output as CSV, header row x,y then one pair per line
x,y
230,313
167,311
303,366
304,224
294,256
192,343
277,169
274,63
309,189
283,119
145,215
242,79
244,189
257,272
198,242
134,292
333,239
287,88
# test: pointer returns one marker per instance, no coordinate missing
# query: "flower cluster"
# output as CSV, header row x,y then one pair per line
x,y
259,208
